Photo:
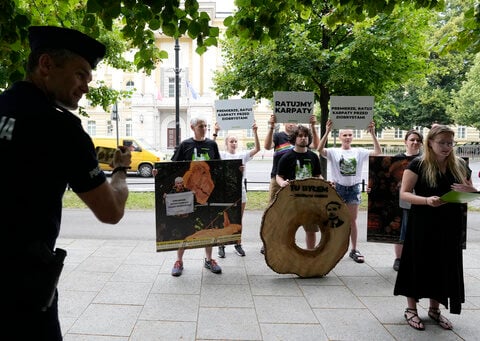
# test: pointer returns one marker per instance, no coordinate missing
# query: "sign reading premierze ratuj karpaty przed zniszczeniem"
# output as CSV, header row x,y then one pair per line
x,y
235,113
351,112
293,107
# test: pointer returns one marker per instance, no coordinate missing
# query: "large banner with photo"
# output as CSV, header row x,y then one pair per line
x,y
198,203
384,218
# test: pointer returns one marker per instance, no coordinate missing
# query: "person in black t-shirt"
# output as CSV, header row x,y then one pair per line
x,y
280,142
197,148
300,163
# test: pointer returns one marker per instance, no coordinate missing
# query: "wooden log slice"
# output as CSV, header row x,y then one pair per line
x,y
305,202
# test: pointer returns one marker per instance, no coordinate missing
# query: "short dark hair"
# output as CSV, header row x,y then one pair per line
x,y
414,131
334,203
59,56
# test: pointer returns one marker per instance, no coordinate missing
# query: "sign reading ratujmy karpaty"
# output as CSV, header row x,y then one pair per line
x,y
293,107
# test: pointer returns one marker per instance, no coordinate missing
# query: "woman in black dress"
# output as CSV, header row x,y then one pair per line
x,y
431,265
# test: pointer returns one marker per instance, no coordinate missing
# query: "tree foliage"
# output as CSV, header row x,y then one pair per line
x,y
466,101
120,24
421,102
362,58
260,20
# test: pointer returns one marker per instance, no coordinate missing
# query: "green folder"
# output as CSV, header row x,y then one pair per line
x,y
460,197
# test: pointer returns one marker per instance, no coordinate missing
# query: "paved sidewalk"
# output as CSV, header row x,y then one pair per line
x,y
116,287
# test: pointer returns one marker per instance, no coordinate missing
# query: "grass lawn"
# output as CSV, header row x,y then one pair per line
x,y
256,200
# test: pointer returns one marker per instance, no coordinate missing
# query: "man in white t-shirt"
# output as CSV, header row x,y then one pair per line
x,y
346,165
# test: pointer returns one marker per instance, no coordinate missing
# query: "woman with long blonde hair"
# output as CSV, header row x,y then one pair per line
x,y
431,263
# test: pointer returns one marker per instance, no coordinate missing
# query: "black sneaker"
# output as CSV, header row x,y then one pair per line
x,y
239,249
221,251
213,266
396,264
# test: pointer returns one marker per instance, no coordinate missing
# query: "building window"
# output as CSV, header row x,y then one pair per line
x,y
109,128
461,132
398,133
91,128
357,134
128,128
249,132
379,134
171,86
130,85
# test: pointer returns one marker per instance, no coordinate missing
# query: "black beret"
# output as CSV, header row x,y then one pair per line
x,y
64,38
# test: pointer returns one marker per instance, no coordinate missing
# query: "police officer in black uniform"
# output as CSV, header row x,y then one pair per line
x,y
43,148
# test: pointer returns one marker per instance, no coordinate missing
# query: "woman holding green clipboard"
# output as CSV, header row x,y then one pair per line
x,y
431,265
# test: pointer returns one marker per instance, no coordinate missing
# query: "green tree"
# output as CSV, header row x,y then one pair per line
x,y
466,102
260,20
120,24
365,58
421,102
361,58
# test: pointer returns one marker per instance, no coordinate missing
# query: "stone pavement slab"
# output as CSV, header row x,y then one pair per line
x,y
116,287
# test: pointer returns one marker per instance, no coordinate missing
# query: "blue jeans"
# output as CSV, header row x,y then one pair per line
x,y
350,194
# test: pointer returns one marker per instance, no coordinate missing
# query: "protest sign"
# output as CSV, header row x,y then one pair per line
x,y
235,113
215,188
351,112
293,107
384,218
179,203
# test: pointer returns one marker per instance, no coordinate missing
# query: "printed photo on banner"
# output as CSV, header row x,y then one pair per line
x,y
198,203
293,107
384,217
235,113
351,112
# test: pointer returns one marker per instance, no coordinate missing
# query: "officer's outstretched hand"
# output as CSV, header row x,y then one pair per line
x,y
122,157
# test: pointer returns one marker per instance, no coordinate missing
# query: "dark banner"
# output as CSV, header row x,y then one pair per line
x,y
198,203
384,219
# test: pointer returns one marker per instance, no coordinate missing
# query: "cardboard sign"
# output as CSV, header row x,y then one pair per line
x,y
235,113
384,218
351,112
293,107
179,203
215,187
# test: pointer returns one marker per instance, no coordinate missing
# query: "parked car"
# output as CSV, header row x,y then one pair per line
x,y
469,148
144,156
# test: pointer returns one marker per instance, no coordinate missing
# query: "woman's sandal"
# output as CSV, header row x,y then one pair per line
x,y
413,321
356,256
434,314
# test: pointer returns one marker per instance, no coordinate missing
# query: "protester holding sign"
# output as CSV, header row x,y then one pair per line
x,y
231,145
431,265
280,142
346,165
413,145
196,148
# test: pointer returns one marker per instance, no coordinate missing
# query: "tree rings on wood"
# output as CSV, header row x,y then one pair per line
x,y
304,203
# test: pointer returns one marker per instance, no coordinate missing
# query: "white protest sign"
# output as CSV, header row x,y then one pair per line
x,y
179,203
235,113
351,112
293,107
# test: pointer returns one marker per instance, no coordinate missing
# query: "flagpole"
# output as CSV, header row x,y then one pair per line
x,y
177,93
